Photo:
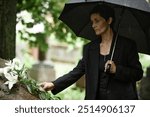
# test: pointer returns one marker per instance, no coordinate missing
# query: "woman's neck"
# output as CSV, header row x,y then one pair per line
x,y
105,44
107,36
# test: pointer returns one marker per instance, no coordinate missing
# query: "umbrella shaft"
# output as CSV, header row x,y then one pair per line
x,y
118,26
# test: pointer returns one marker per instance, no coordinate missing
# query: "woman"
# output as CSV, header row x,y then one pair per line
x,y
119,82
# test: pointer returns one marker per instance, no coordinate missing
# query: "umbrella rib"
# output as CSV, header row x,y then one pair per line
x,y
142,28
83,27
138,21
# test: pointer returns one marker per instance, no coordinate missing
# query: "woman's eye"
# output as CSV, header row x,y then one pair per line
x,y
96,21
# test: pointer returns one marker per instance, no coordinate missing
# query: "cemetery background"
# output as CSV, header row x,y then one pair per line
x,y
46,45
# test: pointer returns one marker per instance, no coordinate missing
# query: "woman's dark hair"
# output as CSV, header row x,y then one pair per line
x,y
105,11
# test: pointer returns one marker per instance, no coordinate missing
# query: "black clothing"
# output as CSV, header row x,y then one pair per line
x,y
103,78
121,85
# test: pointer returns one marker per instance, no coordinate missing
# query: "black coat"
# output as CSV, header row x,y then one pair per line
x,y
123,83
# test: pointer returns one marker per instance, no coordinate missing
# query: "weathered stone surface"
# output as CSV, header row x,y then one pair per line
x,y
18,92
61,53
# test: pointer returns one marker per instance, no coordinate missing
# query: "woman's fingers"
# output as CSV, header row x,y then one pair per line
x,y
47,85
107,65
111,66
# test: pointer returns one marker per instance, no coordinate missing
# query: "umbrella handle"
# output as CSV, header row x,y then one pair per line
x,y
107,70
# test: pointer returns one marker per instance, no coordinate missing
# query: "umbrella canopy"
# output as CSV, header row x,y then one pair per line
x,y
135,22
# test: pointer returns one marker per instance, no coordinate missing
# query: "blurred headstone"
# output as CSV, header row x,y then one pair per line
x,y
42,71
61,53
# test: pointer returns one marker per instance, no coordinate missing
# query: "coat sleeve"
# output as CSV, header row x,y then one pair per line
x,y
133,70
68,79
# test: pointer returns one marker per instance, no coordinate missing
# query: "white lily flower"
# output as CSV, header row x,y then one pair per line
x,y
17,64
11,83
12,79
9,63
14,69
12,75
7,70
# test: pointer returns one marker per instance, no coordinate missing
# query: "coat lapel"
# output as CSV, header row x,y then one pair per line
x,y
94,65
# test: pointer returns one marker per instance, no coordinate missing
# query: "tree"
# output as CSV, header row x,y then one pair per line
x,y
45,12
7,28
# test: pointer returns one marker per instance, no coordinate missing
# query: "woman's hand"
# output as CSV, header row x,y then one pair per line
x,y
112,66
47,85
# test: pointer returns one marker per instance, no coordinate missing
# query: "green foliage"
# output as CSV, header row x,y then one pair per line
x,y
16,72
34,89
72,93
45,12
144,59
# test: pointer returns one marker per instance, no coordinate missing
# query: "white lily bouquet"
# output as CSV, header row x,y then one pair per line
x,y
16,72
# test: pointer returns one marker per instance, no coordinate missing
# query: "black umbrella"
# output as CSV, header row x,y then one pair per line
x,y
135,21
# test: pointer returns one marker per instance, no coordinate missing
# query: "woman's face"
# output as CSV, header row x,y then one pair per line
x,y
99,24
